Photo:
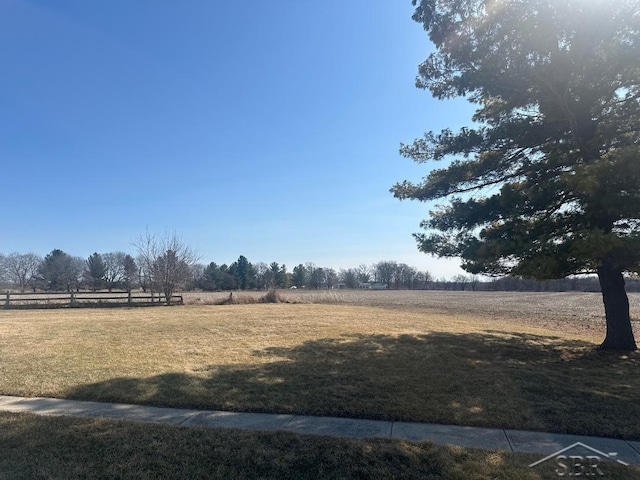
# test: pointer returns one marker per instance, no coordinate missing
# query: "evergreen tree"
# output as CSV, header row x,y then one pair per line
x,y
547,183
95,271
60,271
243,272
283,278
299,276
130,270
274,275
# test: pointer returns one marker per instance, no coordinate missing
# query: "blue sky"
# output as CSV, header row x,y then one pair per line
x,y
264,129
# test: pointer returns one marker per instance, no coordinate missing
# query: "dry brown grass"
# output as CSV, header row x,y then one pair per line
x,y
514,305
68,448
571,312
407,363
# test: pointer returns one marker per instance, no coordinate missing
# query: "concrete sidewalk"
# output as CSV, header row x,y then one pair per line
x,y
487,438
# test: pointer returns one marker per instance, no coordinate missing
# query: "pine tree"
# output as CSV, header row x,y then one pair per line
x,y
546,183
96,271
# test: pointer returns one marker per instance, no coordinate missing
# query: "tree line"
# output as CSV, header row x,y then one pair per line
x,y
60,271
169,265
163,264
243,275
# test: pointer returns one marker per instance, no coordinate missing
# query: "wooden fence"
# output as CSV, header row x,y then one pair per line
x,y
14,300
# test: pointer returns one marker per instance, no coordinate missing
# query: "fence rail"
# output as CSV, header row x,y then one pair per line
x,y
14,300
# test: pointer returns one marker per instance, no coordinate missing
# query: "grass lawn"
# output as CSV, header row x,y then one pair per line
x,y
344,360
34,447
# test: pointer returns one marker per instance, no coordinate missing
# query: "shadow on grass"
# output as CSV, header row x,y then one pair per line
x,y
70,448
492,379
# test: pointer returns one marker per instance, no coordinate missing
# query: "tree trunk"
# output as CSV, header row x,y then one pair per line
x,y
616,308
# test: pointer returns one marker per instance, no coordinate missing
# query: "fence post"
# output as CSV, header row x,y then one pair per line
x,y
72,299
6,302
129,298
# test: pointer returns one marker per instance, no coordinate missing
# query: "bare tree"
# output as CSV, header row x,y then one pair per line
x,y
364,273
316,276
114,271
166,261
3,268
144,277
197,275
20,269
385,272
262,275
331,277
474,280
349,277
423,279
461,280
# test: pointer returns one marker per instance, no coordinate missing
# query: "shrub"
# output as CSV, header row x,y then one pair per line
x,y
271,297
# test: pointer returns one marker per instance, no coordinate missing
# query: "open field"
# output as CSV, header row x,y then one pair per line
x,y
576,312
407,362
513,305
